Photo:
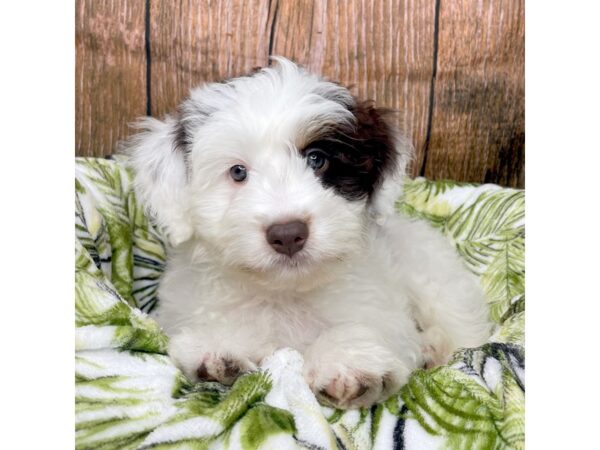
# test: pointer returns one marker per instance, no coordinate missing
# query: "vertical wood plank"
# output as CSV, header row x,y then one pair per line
x,y
478,121
110,72
202,41
383,48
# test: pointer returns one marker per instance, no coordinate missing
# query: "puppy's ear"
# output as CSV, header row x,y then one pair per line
x,y
158,155
390,151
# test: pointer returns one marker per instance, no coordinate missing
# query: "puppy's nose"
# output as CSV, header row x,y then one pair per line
x,y
287,238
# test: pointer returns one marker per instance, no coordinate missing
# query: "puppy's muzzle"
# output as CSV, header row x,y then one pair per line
x,y
287,238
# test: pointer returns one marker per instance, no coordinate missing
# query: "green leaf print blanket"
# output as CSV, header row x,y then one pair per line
x,y
129,395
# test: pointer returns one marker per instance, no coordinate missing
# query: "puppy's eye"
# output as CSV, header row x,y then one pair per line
x,y
238,173
317,160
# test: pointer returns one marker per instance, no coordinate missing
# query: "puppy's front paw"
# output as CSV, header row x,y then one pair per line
x,y
200,359
353,379
348,389
224,369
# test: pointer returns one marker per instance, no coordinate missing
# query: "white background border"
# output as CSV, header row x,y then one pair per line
x,y
37,107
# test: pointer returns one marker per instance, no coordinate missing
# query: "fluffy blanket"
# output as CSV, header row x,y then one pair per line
x,y
130,395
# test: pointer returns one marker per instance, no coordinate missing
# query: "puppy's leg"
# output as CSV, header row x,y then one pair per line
x,y
447,299
352,366
217,352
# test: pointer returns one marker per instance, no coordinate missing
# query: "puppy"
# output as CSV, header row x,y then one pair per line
x,y
277,193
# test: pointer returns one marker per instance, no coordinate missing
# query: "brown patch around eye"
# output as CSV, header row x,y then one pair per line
x,y
356,158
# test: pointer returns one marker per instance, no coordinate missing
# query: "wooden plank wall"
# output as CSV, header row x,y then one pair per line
x,y
453,69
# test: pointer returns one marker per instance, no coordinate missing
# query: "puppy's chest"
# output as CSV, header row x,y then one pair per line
x,y
292,320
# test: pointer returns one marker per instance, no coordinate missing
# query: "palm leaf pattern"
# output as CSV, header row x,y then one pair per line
x,y
486,224
130,395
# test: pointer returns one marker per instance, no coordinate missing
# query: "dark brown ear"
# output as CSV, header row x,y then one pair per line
x,y
377,126
375,136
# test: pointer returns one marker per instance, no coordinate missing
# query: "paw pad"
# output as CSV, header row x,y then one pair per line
x,y
222,369
349,391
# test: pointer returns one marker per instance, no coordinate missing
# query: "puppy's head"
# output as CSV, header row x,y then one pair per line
x,y
276,174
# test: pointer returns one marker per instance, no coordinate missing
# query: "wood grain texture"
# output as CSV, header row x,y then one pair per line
x,y
383,49
193,42
452,69
478,120
110,72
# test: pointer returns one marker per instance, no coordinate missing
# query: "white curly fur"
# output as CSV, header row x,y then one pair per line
x,y
349,301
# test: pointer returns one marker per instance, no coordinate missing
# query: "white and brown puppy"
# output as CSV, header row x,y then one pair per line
x,y
277,193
